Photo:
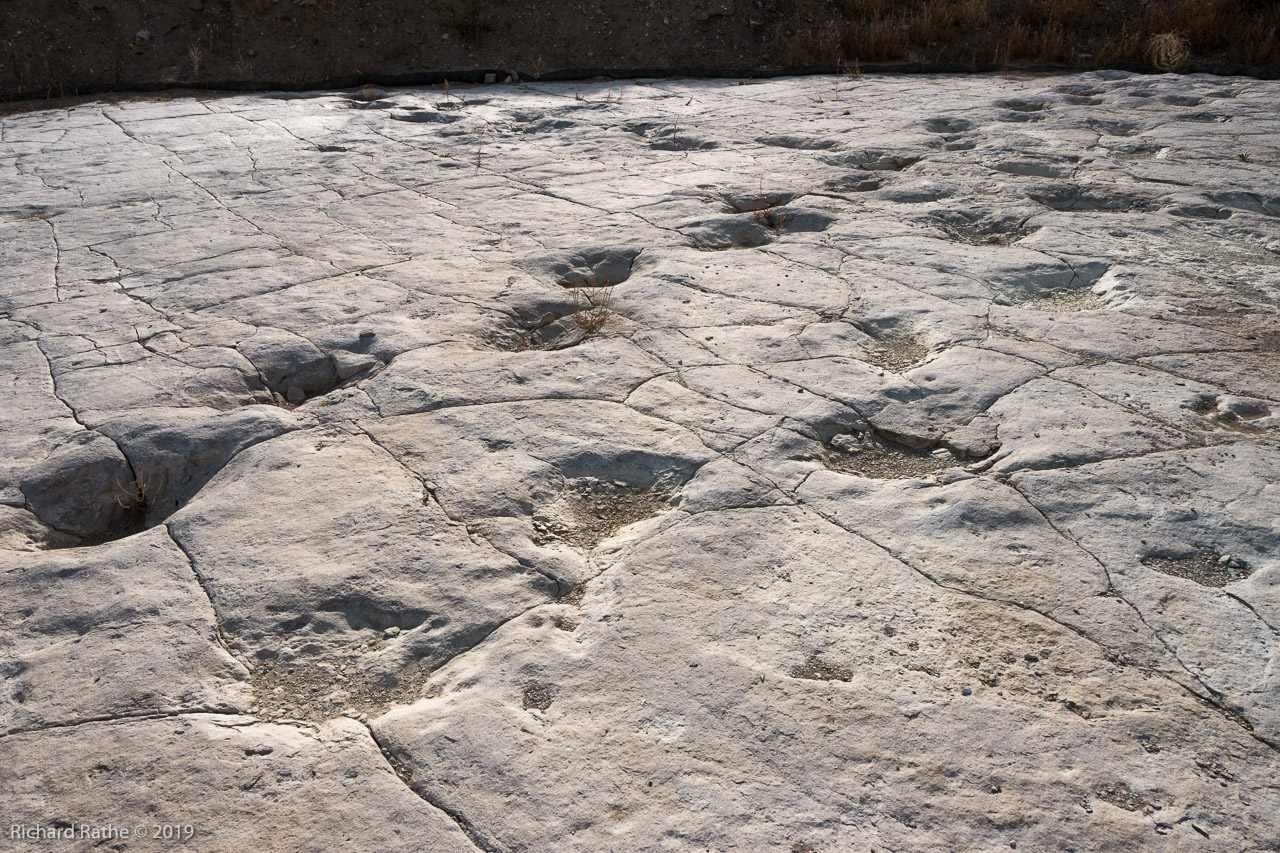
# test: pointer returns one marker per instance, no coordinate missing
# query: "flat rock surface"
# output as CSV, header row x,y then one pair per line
x,y
805,465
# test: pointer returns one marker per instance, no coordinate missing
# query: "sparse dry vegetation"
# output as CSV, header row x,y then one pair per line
x,y
771,218
591,305
1168,51
137,496
1166,34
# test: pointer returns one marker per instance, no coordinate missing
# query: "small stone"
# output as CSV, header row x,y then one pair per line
x,y
490,79
1030,658
392,631
1224,559
295,394
966,692
349,364
619,484
846,444
366,333
143,35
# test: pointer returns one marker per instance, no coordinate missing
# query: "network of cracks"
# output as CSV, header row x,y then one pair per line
x,y
101,488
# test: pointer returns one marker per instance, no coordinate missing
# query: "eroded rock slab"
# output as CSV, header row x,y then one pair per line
x,y
801,464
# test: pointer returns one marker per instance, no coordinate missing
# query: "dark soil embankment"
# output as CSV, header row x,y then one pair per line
x,y
50,48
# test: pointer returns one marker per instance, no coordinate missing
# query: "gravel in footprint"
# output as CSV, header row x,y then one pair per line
x,y
881,459
1206,569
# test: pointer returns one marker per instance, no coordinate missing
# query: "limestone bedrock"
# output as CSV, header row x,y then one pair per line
x,y
816,464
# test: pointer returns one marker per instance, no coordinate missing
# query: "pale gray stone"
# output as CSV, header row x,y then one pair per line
x,y
128,624
85,488
794,464
238,783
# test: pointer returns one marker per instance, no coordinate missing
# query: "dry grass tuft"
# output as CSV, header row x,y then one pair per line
x,y
1168,51
771,218
591,306
195,56
138,496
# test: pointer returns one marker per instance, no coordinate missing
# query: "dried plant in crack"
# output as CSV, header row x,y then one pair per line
x,y
462,102
479,132
138,496
591,305
771,218
759,203
1168,51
